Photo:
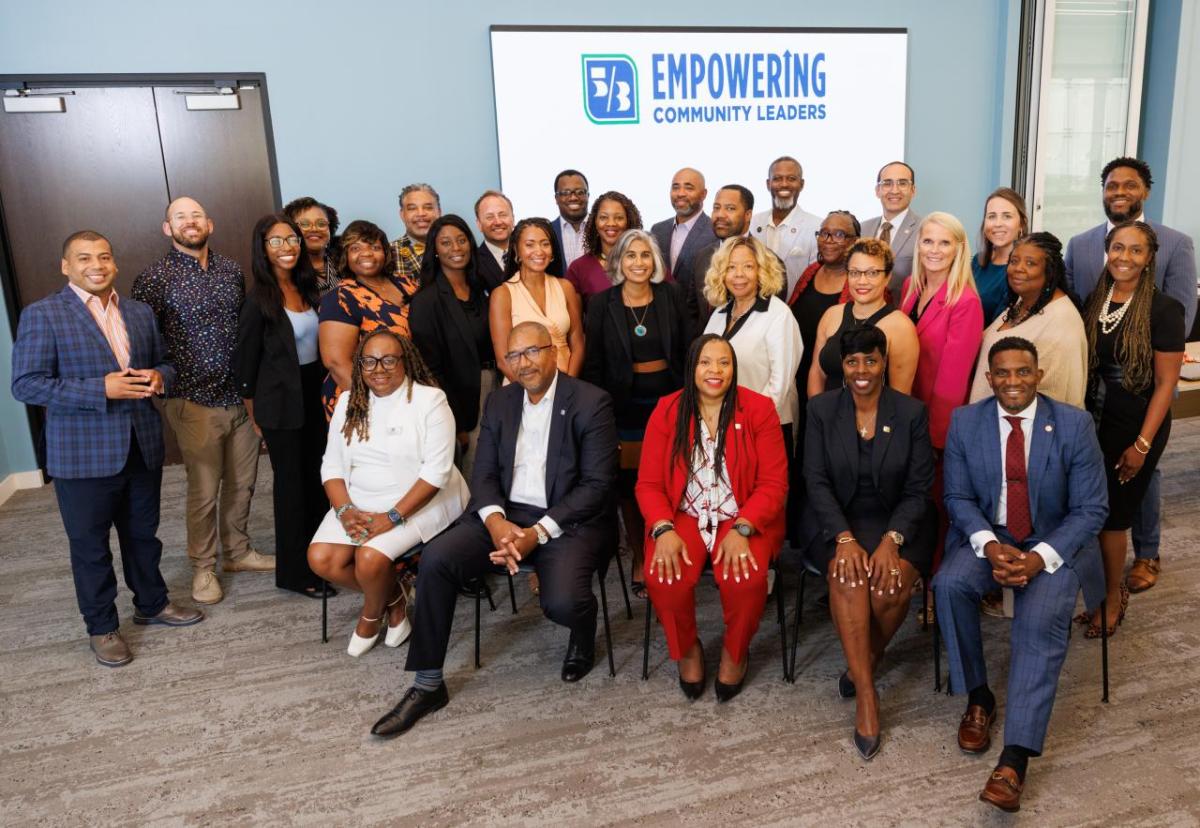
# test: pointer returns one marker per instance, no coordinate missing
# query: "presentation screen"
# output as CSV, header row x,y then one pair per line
x,y
628,107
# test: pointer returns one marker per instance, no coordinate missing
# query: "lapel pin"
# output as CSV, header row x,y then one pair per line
x,y
1049,427
737,426
563,412
887,429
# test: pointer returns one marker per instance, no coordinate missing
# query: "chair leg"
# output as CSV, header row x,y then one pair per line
x,y
646,643
796,624
937,659
512,593
783,637
624,585
487,591
478,601
1104,649
324,612
612,667
924,606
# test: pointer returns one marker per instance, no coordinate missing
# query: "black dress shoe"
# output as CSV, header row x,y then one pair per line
x,y
846,686
415,705
580,658
725,692
867,746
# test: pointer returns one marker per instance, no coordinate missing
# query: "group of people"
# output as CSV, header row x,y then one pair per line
x,y
436,409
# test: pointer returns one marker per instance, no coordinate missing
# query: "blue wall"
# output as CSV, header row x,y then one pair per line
x,y
371,95
1154,135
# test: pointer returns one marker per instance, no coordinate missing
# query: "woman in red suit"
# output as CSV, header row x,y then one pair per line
x,y
712,483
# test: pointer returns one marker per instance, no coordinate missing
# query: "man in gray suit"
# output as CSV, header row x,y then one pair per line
x,y
895,186
1126,186
689,231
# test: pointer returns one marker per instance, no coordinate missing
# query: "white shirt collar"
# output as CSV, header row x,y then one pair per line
x,y
497,251
895,222
687,225
1026,413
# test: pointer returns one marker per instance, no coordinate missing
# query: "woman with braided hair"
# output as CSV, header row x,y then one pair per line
x,y
391,481
1037,308
1135,336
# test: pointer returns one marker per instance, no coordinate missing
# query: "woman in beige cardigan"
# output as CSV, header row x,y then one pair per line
x,y
1040,310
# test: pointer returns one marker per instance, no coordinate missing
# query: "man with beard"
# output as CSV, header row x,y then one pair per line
x,y
732,208
681,237
785,228
420,207
196,294
571,196
1126,186
494,218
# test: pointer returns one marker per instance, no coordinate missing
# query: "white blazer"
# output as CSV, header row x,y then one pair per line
x,y
419,437
768,348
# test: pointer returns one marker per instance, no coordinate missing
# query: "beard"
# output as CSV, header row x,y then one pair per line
x,y
183,241
783,203
1133,211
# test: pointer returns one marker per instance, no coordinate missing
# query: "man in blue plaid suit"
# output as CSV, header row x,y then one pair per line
x,y
1026,494
94,360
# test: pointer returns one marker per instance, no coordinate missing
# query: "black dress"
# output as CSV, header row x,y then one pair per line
x,y
831,355
1119,412
808,309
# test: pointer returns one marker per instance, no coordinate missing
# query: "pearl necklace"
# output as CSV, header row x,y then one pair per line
x,y
1109,319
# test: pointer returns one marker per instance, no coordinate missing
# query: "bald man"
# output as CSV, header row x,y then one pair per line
x,y
689,231
196,294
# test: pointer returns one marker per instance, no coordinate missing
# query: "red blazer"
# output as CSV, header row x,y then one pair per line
x,y
755,459
949,336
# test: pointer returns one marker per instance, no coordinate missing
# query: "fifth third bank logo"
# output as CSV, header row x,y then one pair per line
x,y
610,89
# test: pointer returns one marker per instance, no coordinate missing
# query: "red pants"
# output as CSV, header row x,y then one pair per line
x,y
741,602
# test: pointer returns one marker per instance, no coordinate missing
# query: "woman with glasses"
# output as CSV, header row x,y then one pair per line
x,y
390,477
279,375
319,223
869,265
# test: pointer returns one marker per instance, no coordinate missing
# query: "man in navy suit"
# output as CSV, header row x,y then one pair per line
x,y
94,360
571,196
494,218
541,492
1127,183
1026,495
681,237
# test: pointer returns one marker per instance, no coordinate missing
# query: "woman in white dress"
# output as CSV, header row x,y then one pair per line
x,y
391,481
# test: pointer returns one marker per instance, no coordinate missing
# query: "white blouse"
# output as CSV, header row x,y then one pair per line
x,y
768,348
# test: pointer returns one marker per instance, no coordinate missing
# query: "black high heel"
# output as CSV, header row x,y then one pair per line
x,y
692,689
846,688
725,692
867,746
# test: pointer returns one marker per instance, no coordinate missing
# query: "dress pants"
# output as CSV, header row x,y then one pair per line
x,y
299,498
565,567
742,601
1147,523
220,453
90,508
1040,630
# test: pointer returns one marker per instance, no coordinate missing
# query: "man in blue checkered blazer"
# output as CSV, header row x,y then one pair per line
x,y
1026,494
94,360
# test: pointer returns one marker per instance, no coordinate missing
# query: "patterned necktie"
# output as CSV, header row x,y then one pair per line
x,y
1020,525
885,232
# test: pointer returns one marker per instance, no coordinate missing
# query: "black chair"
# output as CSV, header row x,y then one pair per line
x,y
480,585
779,617
416,550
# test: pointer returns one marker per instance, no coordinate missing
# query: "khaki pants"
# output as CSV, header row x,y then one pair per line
x,y
220,453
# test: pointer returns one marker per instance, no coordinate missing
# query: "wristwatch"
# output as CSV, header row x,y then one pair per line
x,y
659,531
543,535
743,529
896,537
395,517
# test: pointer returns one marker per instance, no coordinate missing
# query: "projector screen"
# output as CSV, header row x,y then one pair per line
x,y
628,107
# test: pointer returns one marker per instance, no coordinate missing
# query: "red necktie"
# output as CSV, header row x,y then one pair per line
x,y
1020,525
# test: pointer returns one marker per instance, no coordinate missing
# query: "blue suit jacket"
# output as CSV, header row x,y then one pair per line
x,y
60,359
1068,491
699,237
1174,271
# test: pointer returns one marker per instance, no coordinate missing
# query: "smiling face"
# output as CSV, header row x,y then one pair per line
x,y
365,258
611,222
314,224
1128,255
382,380
714,370
1014,377
830,248
895,189
571,194
936,247
637,263
534,374
534,250
188,225
864,372
418,210
687,193
1125,194
1027,272
89,265
784,181
730,217
452,248
1001,222
285,256
741,274
866,279
495,220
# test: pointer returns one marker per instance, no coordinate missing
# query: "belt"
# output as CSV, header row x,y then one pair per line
x,y
651,367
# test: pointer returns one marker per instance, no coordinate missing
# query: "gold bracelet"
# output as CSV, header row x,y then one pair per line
x,y
1143,441
847,539
1138,449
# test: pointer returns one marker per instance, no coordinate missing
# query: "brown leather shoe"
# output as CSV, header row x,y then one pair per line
x,y
1143,574
111,650
1003,789
252,561
171,615
973,730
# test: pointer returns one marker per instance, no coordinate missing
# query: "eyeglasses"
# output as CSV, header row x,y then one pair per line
x,y
830,235
530,353
568,193
370,363
276,242
894,184
864,274
319,224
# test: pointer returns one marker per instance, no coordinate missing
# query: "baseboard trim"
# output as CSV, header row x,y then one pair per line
x,y
20,480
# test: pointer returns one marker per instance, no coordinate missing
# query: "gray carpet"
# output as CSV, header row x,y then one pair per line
x,y
248,719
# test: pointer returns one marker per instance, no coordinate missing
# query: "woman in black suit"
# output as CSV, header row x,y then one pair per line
x,y
869,523
638,333
449,324
279,374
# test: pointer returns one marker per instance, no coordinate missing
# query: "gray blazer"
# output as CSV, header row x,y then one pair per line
x,y
698,238
1174,272
904,242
